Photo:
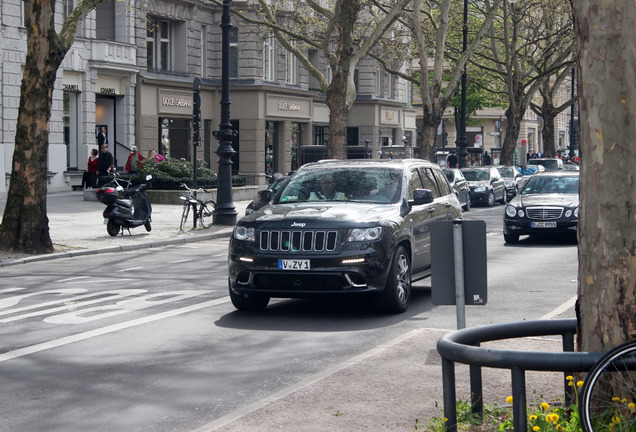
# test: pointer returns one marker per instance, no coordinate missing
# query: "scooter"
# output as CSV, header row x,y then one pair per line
x,y
130,212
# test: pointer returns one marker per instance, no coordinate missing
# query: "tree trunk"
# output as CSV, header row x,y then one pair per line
x,y
512,135
549,114
607,238
430,124
338,115
25,225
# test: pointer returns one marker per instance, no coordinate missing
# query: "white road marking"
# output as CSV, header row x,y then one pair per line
x,y
106,330
129,269
71,279
559,310
180,261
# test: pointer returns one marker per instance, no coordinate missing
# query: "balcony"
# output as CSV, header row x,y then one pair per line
x,y
114,53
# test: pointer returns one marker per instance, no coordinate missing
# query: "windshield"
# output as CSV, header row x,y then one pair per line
x,y
376,185
476,175
550,164
550,185
507,172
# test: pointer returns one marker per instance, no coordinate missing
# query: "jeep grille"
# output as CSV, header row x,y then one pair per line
x,y
298,241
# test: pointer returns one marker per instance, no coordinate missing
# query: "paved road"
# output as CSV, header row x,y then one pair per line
x,y
148,340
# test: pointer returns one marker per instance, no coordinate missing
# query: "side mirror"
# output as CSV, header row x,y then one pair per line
x,y
421,196
265,195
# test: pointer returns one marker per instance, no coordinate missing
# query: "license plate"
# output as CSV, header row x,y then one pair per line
x,y
285,264
543,224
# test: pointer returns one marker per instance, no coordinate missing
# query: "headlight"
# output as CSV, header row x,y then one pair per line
x,y
480,189
568,213
364,234
511,211
576,212
243,233
521,213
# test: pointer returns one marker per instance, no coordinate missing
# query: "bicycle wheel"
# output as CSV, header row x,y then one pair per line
x,y
608,398
206,217
184,215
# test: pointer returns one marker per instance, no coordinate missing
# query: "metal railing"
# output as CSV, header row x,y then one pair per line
x,y
463,346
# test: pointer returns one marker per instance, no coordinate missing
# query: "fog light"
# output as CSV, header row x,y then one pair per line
x,y
353,260
246,259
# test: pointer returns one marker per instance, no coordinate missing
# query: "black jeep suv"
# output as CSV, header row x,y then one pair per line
x,y
339,228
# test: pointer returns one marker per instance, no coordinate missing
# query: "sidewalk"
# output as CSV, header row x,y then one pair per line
x,y
391,387
77,228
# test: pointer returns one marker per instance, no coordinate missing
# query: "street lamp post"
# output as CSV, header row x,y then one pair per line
x,y
225,213
463,140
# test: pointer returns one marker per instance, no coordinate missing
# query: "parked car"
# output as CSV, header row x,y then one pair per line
x,y
486,185
548,203
460,186
265,196
355,227
550,164
528,171
512,179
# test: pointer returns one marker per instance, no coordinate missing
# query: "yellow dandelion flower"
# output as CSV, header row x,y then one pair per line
x,y
615,399
624,400
569,378
579,383
616,420
611,426
445,419
555,418
509,399
545,406
536,429
559,428
570,384
548,418
533,417
631,405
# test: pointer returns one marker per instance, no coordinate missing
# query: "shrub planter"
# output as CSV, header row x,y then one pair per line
x,y
243,193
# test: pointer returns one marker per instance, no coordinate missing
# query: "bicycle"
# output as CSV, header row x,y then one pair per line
x,y
608,397
202,210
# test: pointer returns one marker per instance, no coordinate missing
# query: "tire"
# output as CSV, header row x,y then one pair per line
x,y
184,215
112,228
511,238
467,205
504,197
207,219
491,199
607,386
148,226
397,293
248,302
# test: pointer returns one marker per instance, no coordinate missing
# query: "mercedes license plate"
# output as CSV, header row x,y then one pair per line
x,y
543,224
287,264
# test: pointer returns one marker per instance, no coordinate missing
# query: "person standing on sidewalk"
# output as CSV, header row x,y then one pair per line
x,y
105,164
134,161
89,179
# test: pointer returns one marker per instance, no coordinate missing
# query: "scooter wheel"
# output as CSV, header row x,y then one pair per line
x,y
147,226
112,228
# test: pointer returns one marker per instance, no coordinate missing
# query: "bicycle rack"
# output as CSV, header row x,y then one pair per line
x,y
463,346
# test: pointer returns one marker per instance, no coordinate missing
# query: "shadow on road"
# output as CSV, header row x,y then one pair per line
x,y
324,314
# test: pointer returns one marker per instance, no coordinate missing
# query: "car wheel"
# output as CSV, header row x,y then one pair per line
x,y
504,197
467,205
397,293
511,238
491,199
248,302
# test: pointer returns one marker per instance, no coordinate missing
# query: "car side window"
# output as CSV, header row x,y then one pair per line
x,y
444,187
429,182
414,182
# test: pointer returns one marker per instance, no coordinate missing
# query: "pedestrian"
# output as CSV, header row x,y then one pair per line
x,y
153,156
89,178
105,164
486,159
101,137
451,160
134,161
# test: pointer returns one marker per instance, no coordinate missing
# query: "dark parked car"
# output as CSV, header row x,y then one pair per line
x,y
460,185
486,185
356,227
265,196
512,179
548,203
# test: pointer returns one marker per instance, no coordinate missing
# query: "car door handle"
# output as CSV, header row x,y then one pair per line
x,y
447,205
431,210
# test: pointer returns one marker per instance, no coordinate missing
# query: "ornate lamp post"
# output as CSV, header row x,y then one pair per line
x,y
225,213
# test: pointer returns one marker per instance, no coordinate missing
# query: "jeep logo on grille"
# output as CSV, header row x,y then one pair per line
x,y
297,225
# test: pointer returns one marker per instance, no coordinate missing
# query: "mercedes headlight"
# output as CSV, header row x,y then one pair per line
x,y
511,211
480,189
576,212
244,233
364,234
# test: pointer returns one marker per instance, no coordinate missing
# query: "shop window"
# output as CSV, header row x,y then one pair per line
x,y
71,127
321,135
352,136
291,67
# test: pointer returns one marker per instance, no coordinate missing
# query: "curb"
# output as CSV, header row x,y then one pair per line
x,y
112,249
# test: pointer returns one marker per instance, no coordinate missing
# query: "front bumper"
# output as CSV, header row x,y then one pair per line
x,y
479,197
523,226
355,270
